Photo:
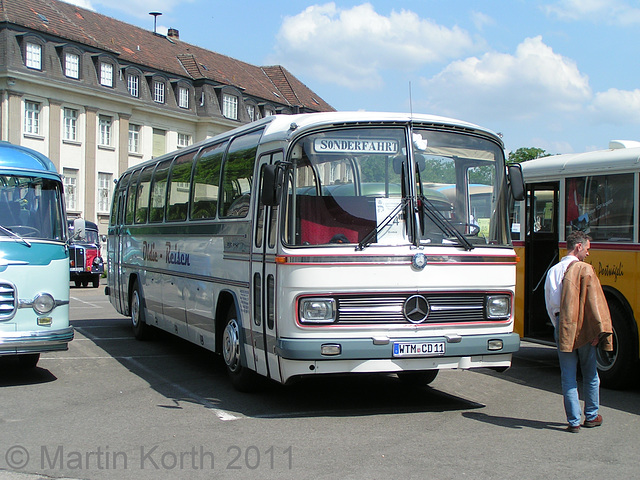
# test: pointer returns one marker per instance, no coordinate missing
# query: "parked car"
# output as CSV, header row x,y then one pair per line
x,y
85,255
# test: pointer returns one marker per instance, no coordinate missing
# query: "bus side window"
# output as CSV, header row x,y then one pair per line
x,y
179,182
237,175
130,209
142,195
159,192
206,179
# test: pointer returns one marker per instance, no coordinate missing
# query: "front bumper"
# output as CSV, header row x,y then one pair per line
x,y
372,348
12,343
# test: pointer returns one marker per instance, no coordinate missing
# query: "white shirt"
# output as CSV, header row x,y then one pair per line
x,y
553,287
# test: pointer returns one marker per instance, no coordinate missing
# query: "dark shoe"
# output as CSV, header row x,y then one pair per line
x,y
573,429
596,422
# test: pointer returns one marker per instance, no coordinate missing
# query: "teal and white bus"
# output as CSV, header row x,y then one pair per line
x,y
34,257
317,244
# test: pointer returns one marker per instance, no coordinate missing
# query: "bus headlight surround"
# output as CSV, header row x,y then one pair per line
x,y
43,303
498,306
317,310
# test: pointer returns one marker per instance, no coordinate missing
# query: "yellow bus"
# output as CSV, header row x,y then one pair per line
x,y
596,192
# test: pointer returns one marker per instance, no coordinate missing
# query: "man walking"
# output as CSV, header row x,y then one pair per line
x,y
581,319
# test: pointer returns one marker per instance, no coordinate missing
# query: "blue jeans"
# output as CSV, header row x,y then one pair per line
x,y
586,355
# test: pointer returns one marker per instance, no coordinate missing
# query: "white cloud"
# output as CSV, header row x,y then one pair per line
x,y
533,82
81,3
353,47
617,107
618,12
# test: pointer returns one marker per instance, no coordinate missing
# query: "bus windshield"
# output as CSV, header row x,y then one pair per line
x,y
30,208
355,186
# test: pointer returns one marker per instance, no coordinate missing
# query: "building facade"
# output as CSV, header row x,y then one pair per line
x,y
97,95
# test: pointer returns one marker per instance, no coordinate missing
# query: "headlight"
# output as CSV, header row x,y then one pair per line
x,y
317,310
498,306
43,303
97,261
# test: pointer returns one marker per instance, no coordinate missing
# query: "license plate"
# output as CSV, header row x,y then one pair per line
x,y
416,349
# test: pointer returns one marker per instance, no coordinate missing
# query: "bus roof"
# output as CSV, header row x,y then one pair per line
x,y
576,164
286,124
15,157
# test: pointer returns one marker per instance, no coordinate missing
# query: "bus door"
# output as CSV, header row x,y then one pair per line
x,y
541,253
118,286
264,281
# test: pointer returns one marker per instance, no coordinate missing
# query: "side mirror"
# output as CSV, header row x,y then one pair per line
x,y
516,181
272,178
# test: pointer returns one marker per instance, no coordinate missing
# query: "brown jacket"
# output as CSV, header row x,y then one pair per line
x,y
584,313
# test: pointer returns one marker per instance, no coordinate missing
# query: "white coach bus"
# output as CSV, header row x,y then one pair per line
x,y
321,243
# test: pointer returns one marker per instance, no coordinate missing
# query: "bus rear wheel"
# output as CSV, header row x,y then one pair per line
x,y
241,377
138,322
616,368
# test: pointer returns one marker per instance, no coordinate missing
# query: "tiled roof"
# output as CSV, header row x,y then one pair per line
x,y
135,45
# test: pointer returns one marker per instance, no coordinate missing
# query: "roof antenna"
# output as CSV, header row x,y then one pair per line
x,y
155,18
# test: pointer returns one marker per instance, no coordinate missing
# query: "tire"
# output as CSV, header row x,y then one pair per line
x,y
95,281
77,283
616,368
85,283
28,361
242,378
138,322
418,377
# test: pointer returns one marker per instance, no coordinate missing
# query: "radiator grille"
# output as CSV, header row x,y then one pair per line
x,y
7,301
389,308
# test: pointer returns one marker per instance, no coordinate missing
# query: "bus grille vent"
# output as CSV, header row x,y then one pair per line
x,y
7,301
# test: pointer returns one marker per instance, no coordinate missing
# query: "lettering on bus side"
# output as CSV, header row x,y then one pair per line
x,y
176,257
149,252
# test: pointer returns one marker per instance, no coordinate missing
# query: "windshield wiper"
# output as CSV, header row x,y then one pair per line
x,y
368,239
15,235
443,223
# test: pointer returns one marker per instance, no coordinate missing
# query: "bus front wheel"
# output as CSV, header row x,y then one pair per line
x,y
138,323
615,368
241,377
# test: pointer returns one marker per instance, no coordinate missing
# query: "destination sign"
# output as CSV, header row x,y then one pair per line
x,y
347,145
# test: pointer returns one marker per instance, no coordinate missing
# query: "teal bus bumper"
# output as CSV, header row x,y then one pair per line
x,y
12,343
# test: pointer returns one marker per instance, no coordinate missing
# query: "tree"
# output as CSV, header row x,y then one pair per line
x,y
523,154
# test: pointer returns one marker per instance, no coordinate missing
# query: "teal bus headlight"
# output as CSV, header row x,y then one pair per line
x,y
317,310
43,303
498,307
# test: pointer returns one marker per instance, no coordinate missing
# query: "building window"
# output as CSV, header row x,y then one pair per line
x,y
184,140
230,106
251,111
134,138
70,188
133,82
34,56
105,131
70,124
32,118
104,192
72,65
158,92
106,74
183,97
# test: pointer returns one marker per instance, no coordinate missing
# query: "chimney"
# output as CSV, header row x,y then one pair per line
x,y
173,33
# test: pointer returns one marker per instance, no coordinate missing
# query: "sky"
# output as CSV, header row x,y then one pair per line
x,y
560,75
